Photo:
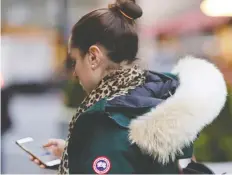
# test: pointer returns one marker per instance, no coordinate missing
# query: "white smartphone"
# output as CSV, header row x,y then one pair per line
x,y
36,150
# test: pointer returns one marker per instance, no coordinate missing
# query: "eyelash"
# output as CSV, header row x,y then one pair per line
x,y
71,63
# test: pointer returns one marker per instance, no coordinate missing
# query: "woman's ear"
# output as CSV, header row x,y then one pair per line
x,y
95,56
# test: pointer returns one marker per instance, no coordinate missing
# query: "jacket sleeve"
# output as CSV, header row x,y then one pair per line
x,y
102,148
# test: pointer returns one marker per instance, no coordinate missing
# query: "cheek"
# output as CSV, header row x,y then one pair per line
x,y
82,71
78,69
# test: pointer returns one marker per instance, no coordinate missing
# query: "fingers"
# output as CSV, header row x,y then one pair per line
x,y
37,161
55,151
42,166
50,142
31,158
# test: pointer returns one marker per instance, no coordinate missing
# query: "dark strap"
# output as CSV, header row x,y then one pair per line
x,y
197,168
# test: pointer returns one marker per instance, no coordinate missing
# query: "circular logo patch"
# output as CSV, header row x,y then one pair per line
x,y
101,165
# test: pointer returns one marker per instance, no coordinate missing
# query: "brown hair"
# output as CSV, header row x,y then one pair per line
x,y
113,28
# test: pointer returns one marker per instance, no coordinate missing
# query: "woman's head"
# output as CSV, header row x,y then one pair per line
x,y
104,39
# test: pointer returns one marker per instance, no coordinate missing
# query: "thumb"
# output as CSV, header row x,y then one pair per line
x,y
51,142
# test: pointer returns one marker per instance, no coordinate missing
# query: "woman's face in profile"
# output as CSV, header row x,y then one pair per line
x,y
89,68
82,69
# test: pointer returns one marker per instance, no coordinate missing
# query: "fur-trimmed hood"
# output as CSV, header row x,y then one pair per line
x,y
196,100
175,123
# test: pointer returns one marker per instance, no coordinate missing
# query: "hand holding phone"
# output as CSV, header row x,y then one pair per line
x,y
47,155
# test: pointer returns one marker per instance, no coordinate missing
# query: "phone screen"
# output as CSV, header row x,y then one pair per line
x,y
38,151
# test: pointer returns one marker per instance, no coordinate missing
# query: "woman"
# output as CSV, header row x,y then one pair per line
x,y
133,121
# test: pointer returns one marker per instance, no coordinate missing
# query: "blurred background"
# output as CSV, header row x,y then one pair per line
x,y
39,94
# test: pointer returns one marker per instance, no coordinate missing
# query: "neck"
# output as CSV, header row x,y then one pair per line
x,y
109,69
116,66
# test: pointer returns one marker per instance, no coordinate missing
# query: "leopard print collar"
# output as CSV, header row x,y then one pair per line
x,y
118,83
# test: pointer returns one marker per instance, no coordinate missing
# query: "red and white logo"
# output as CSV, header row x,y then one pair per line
x,y
101,165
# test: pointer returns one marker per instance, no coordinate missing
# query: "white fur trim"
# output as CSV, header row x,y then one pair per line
x,y
175,123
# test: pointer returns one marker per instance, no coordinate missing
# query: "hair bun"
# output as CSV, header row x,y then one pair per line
x,y
130,8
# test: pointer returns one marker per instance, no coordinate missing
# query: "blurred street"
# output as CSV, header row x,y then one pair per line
x,y
35,116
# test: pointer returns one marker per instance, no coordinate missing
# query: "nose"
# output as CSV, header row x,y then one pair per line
x,y
75,74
